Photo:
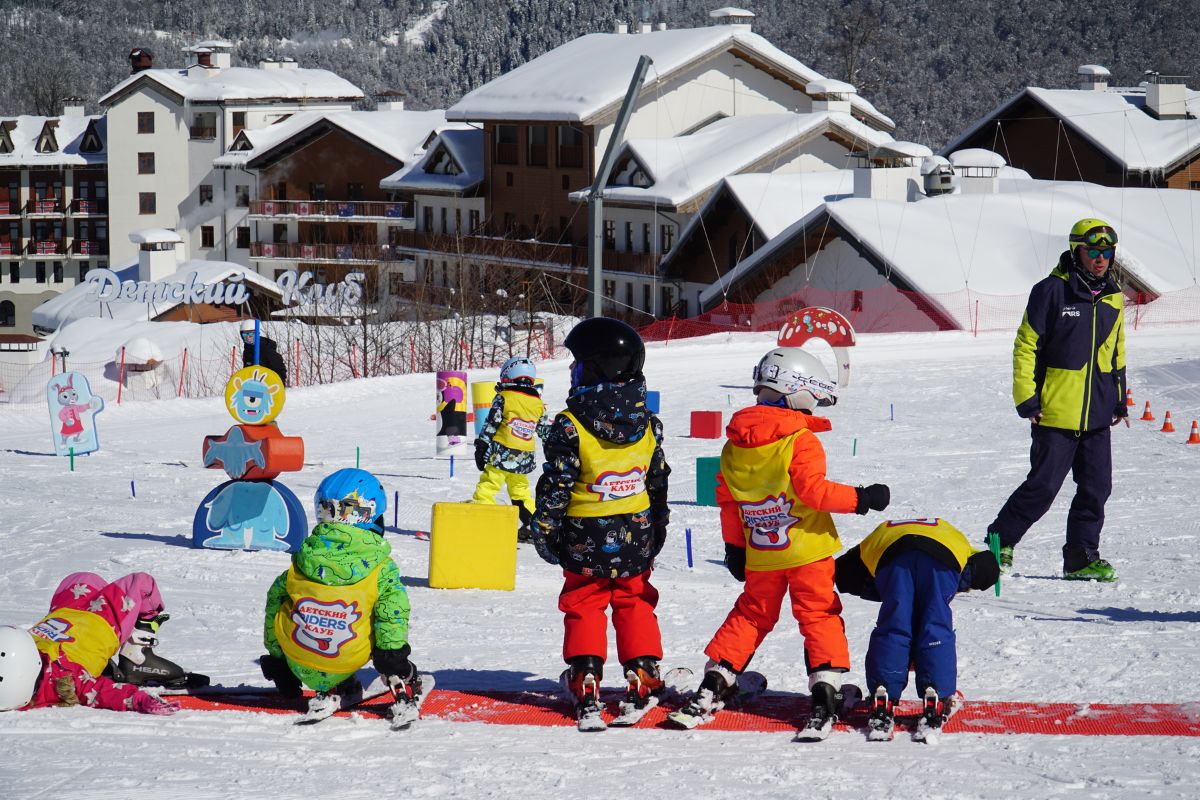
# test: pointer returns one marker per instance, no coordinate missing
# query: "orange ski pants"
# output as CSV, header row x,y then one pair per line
x,y
584,602
815,605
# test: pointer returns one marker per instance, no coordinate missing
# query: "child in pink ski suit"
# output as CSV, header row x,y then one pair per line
x,y
89,619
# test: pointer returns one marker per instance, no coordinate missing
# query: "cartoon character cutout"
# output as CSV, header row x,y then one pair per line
x,y
451,411
250,515
254,395
73,409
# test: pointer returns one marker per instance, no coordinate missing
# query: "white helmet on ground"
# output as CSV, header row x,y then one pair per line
x,y
20,665
517,367
796,375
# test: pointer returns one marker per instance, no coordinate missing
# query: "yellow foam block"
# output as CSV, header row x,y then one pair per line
x,y
473,546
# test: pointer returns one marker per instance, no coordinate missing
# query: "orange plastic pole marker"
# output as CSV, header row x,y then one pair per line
x,y
1129,397
1146,415
1167,426
1195,437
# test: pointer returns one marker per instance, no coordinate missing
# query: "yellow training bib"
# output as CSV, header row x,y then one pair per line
x,y
83,637
327,627
612,476
872,548
518,425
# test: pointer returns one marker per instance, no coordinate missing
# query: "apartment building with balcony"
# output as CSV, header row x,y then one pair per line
x,y
53,208
169,125
316,203
546,124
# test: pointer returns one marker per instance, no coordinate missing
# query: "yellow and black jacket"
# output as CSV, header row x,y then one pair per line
x,y
1069,354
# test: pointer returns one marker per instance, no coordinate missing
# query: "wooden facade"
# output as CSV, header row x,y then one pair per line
x,y
324,163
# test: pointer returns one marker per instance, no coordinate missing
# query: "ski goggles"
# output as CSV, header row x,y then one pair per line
x,y
349,508
1097,237
1101,252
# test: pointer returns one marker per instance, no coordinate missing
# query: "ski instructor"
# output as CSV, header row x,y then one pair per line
x,y
1069,382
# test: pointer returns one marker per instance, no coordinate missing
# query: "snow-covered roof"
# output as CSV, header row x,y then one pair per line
x,y
155,236
730,11
977,157
465,147
829,86
400,134
938,246
241,83
1092,69
580,79
931,163
684,167
79,301
1116,122
25,130
901,149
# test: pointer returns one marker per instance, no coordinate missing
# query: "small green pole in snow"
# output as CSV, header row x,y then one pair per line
x,y
72,459
854,447
357,453
993,540
728,399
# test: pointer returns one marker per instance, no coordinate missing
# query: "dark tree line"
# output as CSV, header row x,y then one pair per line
x,y
934,66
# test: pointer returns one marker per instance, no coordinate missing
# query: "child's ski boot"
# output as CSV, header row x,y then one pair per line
x,y
718,687
582,682
937,711
643,693
324,705
881,721
828,703
409,693
137,663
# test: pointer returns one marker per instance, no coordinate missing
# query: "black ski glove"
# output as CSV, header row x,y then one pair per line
x,y
394,662
276,670
544,542
872,498
480,454
658,538
735,561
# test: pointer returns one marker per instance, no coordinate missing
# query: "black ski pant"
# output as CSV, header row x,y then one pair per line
x,y
1087,455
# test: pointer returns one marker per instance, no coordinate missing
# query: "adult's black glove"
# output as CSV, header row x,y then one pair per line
x,y
394,662
480,454
276,670
872,498
735,561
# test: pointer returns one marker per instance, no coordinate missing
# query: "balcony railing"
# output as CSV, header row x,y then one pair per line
x,y
48,205
496,248
203,132
335,209
84,206
294,251
90,247
47,247
10,208
570,155
11,248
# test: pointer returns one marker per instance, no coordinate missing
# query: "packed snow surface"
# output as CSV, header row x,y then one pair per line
x,y
929,414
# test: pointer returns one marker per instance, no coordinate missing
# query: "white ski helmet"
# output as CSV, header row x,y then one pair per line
x,y
797,375
20,665
247,326
517,367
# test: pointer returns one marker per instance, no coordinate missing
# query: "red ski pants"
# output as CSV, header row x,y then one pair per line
x,y
815,605
584,601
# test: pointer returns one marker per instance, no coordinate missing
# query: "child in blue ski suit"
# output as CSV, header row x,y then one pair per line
x,y
914,568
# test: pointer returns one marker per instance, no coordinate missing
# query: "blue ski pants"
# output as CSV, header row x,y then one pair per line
x,y
915,625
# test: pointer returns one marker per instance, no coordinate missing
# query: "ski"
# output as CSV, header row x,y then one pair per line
x,y
322,705
929,724
819,726
749,686
630,713
409,697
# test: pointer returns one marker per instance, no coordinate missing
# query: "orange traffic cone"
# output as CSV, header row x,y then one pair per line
x,y
1167,426
1129,397
1146,415
1195,437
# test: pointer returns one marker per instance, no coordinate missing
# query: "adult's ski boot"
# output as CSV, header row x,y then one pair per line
x,y
137,663
582,682
881,720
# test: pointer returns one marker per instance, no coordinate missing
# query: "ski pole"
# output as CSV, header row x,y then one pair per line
x,y
993,540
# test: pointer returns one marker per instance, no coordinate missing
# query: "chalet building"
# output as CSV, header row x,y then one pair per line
x,y
53,208
316,203
169,125
546,124
1147,135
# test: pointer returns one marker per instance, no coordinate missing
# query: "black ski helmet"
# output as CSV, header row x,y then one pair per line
x,y
608,350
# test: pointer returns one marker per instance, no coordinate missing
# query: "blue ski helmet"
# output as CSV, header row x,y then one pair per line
x,y
516,368
352,497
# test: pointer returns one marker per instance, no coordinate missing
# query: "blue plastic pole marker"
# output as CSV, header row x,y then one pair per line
x,y
132,490
256,346
396,509
451,466
687,540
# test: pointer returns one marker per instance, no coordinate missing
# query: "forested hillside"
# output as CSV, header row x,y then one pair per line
x,y
932,65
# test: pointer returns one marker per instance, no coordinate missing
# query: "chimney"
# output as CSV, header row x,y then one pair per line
x,y
620,27
287,62
1093,78
660,26
645,27
156,252
140,58
738,18
978,170
268,63
830,95
389,100
203,57
73,106
1166,96
890,171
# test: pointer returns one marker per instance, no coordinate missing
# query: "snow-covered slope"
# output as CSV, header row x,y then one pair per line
x,y
954,448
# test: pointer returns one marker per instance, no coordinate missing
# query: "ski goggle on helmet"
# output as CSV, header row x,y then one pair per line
x,y
1093,235
798,376
350,496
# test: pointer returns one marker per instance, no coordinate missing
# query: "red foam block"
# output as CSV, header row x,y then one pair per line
x,y
706,425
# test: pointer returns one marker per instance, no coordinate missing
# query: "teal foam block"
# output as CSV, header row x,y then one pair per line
x,y
707,468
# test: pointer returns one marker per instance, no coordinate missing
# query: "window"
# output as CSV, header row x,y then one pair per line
x,y
281,190
629,295
645,237
57,272
566,183
355,191
83,271
610,288
242,193
1194,184
510,222
14,271
206,194
207,236
147,203
646,298
538,151
506,144
610,235
8,314
458,221
666,305
239,122
570,146
473,220
243,237
145,122
204,125
279,233
316,191
629,236
668,238
444,228
40,271
564,228
508,179
145,163
427,219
